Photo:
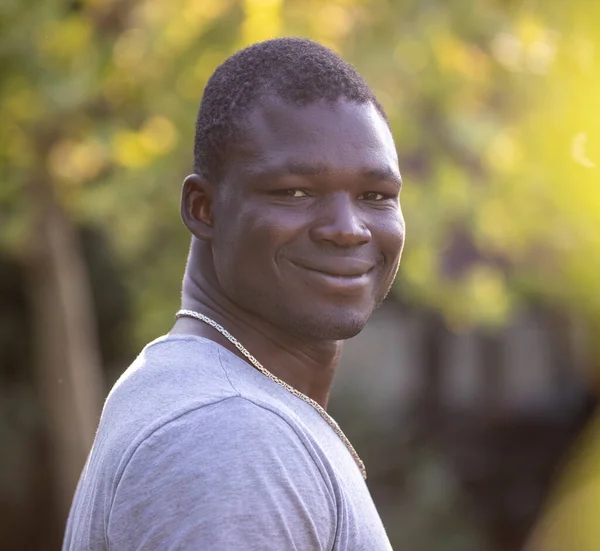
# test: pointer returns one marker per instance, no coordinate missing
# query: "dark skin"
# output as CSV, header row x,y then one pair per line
x,y
299,241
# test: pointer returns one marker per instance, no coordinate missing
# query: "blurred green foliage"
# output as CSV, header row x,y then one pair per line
x,y
493,105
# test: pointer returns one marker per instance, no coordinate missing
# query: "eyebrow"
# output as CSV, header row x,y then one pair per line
x,y
300,169
378,174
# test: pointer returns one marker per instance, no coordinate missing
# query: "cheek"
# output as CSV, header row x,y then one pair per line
x,y
230,249
243,245
392,232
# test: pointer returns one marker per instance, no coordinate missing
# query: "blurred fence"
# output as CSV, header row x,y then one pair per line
x,y
488,415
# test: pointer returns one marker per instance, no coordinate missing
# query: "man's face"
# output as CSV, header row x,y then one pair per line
x,y
308,229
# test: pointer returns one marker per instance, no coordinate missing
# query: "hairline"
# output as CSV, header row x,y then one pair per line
x,y
241,121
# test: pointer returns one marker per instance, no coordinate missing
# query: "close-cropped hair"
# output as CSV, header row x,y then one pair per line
x,y
297,70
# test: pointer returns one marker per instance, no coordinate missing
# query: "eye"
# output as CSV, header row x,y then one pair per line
x,y
373,196
294,192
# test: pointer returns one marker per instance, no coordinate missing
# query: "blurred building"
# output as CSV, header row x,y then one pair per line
x,y
492,414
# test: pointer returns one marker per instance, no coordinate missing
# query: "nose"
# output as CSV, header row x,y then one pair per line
x,y
340,223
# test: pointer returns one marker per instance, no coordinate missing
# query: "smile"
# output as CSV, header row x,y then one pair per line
x,y
346,276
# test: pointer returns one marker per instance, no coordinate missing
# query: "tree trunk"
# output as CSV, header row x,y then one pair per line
x,y
68,366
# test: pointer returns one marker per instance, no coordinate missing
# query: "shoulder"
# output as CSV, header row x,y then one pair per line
x,y
171,377
233,462
242,432
175,363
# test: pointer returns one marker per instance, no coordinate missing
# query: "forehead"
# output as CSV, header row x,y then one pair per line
x,y
340,136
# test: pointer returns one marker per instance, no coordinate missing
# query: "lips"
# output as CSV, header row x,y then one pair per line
x,y
338,267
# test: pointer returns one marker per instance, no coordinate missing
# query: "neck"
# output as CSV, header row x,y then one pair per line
x,y
307,365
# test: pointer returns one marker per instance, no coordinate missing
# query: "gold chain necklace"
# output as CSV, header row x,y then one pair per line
x,y
328,419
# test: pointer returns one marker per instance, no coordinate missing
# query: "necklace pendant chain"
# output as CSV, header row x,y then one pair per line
x,y
328,419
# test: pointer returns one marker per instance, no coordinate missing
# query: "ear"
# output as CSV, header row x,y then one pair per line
x,y
197,196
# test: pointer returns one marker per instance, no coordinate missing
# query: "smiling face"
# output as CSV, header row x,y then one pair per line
x,y
307,226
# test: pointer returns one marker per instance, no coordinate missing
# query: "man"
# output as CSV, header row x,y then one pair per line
x,y
216,438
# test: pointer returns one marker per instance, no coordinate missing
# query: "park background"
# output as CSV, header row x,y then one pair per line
x,y
470,395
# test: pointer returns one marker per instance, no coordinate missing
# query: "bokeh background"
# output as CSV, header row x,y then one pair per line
x,y
471,394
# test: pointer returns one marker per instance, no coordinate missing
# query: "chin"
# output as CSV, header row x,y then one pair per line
x,y
332,327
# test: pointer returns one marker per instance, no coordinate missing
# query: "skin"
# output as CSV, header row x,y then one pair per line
x,y
300,240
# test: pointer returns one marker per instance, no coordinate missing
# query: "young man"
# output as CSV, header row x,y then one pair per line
x,y
216,438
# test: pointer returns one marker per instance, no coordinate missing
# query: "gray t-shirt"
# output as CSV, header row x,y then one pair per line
x,y
197,450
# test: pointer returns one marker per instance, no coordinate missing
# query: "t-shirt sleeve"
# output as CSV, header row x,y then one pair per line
x,y
228,476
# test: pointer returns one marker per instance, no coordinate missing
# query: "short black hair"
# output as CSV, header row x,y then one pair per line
x,y
297,70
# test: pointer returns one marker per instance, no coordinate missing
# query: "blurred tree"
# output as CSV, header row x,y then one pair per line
x,y
491,107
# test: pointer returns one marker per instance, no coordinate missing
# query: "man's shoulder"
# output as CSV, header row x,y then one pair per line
x,y
235,424
170,378
179,363
226,471
231,445
234,419
170,375
184,391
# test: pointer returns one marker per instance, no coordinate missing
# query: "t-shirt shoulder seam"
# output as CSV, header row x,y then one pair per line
x,y
286,421
320,469
189,411
225,372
